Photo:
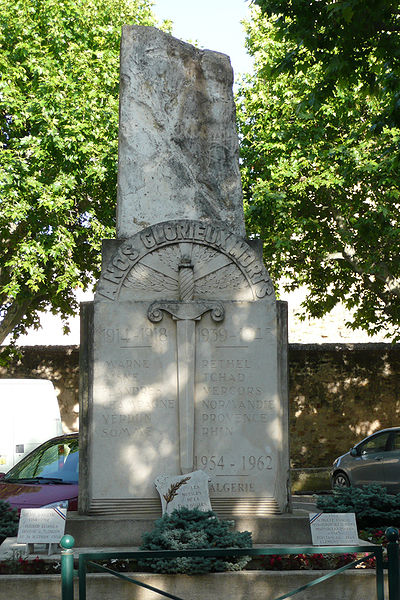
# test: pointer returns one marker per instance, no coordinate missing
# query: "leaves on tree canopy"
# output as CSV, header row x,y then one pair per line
x,y
353,41
321,180
59,122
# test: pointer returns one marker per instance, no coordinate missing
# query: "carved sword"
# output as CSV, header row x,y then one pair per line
x,y
186,311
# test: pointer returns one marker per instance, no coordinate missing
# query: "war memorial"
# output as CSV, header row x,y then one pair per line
x,y
184,349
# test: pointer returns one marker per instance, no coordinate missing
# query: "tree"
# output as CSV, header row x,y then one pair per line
x,y
59,121
353,41
320,163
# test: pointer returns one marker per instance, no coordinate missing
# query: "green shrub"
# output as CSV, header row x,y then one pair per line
x,y
186,529
8,520
372,505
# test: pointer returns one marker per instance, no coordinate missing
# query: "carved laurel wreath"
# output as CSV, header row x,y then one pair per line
x,y
173,490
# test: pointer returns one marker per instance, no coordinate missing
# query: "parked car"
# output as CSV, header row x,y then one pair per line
x,y
46,477
376,459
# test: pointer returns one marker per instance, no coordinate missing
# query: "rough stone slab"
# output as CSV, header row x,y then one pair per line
x,y
178,146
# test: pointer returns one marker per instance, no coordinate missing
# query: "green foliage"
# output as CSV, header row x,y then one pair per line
x,y
186,529
372,505
355,42
8,520
58,133
320,166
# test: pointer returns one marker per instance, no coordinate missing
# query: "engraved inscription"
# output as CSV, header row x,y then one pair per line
x,y
239,403
149,261
236,406
235,487
245,463
133,398
125,338
120,425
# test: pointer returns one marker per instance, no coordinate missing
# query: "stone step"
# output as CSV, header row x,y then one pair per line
x,y
94,531
257,585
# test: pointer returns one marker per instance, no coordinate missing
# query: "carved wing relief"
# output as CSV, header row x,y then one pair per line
x,y
203,254
157,275
145,278
227,278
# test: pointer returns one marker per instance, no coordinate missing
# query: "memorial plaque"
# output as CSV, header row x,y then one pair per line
x,y
189,491
237,403
41,525
333,529
135,414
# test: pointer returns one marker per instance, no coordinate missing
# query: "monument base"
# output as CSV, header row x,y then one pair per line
x,y
150,508
119,531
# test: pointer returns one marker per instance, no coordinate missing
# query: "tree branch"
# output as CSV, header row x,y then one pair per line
x,y
348,253
13,316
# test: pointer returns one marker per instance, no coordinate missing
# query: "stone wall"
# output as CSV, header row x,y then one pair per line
x,y
352,585
339,393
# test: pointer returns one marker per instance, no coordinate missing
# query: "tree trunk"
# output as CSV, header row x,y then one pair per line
x,y
12,317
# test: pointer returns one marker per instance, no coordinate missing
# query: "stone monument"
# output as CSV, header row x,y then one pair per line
x,y
183,352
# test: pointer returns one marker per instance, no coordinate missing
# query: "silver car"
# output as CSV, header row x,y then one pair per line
x,y
374,460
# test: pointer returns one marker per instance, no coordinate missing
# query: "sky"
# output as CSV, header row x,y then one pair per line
x,y
211,24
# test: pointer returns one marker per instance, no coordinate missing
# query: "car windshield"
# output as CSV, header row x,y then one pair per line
x,y
54,462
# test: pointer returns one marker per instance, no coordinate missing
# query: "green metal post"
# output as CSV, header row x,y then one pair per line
x,y
82,577
380,580
67,567
392,535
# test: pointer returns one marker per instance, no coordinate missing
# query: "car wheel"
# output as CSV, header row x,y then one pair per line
x,y
340,480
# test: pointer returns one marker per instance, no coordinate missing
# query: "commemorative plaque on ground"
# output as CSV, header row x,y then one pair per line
x,y
183,354
41,526
333,529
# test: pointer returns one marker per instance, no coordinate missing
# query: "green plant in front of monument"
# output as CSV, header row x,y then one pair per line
x,y
186,529
372,505
8,520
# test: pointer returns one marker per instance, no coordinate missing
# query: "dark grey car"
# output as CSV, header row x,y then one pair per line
x,y
376,459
